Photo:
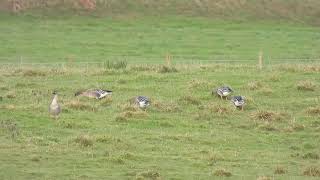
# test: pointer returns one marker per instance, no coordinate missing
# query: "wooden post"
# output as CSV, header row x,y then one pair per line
x,y
260,60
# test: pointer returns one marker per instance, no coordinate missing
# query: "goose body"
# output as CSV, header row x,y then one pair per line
x,y
224,91
95,93
238,101
142,101
54,107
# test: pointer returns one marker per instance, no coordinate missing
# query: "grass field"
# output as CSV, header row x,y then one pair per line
x,y
186,133
30,38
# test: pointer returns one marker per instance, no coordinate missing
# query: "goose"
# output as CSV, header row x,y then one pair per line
x,y
238,101
142,101
94,93
223,91
54,108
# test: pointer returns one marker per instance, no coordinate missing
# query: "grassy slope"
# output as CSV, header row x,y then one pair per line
x,y
49,39
190,143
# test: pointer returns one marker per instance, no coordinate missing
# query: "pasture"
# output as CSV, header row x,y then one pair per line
x,y
147,39
176,54
186,133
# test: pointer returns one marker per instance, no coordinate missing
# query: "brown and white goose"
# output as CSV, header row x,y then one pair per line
x,y
54,108
94,93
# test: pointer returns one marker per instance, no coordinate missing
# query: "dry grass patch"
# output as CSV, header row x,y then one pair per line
x,y
166,107
268,127
222,173
314,111
138,68
8,107
213,158
266,91
219,109
269,116
274,78
11,95
167,69
129,113
203,115
255,85
84,140
32,72
280,170
150,174
11,126
312,171
265,178
306,85
199,84
189,100
106,101
78,105
311,155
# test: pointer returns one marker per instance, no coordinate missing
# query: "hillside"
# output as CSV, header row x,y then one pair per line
x,y
293,10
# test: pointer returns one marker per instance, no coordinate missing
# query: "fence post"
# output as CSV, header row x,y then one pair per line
x,y
260,60
21,59
168,59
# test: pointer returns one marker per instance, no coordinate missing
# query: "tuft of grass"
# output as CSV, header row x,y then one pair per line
x,y
311,155
266,91
115,65
78,105
167,69
166,107
11,95
268,116
199,84
264,178
219,109
33,72
149,174
274,78
312,171
280,170
84,140
255,85
106,101
297,127
129,106
203,115
306,85
11,127
121,118
35,158
8,107
134,114
138,68
268,127
315,111
213,158
189,100
222,173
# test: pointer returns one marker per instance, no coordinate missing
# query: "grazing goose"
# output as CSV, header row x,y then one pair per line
x,y
223,91
94,93
238,101
54,108
142,101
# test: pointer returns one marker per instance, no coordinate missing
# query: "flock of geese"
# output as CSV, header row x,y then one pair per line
x,y
140,101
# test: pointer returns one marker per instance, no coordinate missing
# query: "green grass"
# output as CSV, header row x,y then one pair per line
x,y
186,133
31,38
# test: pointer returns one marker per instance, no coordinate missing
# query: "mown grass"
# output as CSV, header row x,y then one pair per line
x,y
187,133
147,39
